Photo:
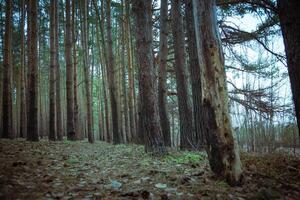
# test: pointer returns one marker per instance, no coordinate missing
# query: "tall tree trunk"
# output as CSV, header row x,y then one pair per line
x,y
69,75
162,73
102,77
52,77
131,92
59,125
185,110
222,148
87,71
23,112
76,106
194,68
289,17
104,74
32,126
154,142
111,78
7,75
123,72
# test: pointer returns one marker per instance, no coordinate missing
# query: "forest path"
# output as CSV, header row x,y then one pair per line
x,y
79,170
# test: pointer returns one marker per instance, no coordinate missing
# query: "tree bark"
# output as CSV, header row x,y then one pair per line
x,y
162,73
104,75
127,130
7,75
59,125
32,126
52,77
289,17
23,112
69,75
87,72
154,142
194,68
222,148
131,92
76,106
185,110
111,79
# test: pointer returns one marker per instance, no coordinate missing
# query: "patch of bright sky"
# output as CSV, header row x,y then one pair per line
x,y
256,53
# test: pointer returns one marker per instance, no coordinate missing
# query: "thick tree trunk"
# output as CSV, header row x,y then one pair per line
x,y
87,72
7,75
185,110
69,75
149,120
52,77
59,125
289,16
162,73
111,79
222,148
23,112
33,96
194,68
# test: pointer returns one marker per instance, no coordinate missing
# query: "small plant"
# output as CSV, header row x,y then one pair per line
x,y
222,184
73,160
185,158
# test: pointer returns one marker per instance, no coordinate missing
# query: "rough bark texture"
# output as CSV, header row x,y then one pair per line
x,y
87,72
185,110
32,126
194,68
111,79
52,91
289,16
59,125
149,106
23,113
162,73
69,75
7,75
222,148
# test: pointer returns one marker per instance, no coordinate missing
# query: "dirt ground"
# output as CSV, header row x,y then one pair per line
x,y
79,170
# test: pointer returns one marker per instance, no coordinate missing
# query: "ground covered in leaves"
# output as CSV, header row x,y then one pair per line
x,y
78,170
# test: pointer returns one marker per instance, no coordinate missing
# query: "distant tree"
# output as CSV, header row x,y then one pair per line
x,y
32,126
149,120
222,148
7,74
289,16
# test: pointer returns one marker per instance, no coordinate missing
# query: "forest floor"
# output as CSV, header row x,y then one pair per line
x,y
79,170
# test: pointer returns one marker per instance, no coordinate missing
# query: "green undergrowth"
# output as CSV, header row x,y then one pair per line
x,y
185,158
